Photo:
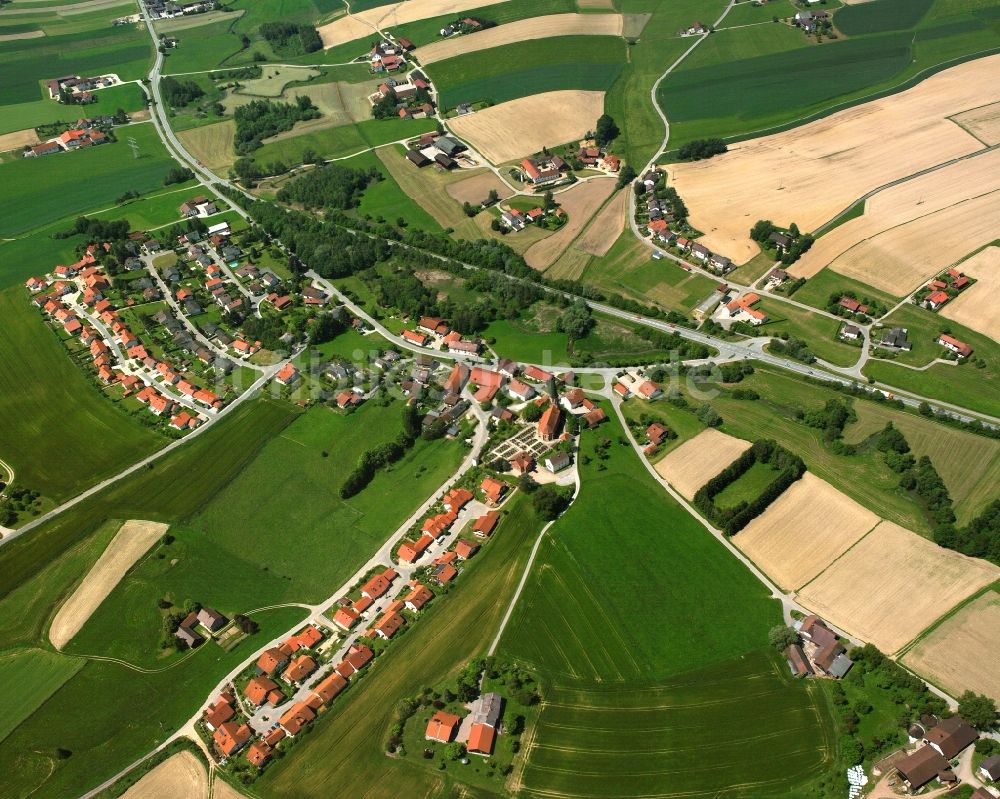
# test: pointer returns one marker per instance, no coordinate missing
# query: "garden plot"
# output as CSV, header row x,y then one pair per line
x,y
811,173
523,30
963,653
515,129
976,306
893,584
697,461
809,526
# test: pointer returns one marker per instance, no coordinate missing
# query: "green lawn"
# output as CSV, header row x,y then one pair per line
x,y
819,287
32,676
606,620
529,67
32,184
155,210
748,486
819,332
27,255
518,341
59,431
39,112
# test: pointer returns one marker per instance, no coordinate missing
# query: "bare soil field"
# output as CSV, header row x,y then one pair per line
x,y
180,775
804,531
907,255
917,199
130,543
606,227
963,652
976,306
893,584
580,203
476,189
12,37
785,177
515,129
697,461
18,139
982,122
212,144
357,26
522,30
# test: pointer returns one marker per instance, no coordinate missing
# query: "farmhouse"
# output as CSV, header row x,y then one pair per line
x,y
485,717
960,348
556,461
540,171
441,727
797,661
922,766
895,339
853,305
211,619
185,631
951,736
936,299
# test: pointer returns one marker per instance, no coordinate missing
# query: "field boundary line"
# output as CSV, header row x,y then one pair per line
x,y
945,617
841,555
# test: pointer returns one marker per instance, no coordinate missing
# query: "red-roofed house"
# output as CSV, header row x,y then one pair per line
x,y
261,689
299,669
415,338
936,299
219,713
410,551
418,597
346,618
287,375
493,489
231,737
483,526
457,498
259,753
960,348
466,549
327,688
297,717
378,584
441,727
481,739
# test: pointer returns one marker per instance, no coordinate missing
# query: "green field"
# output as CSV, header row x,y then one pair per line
x,y
59,431
748,486
820,332
41,190
819,287
529,67
39,112
387,200
606,620
34,675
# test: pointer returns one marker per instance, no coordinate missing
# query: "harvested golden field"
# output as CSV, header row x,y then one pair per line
x,y
917,201
211,144
476,189
223,790
595,4
357,26
893,584
968,463
180,775
785,177
130,543
982,122
580,203
18,139
907,255
523,30
976,306
804,531
515,129
963,653
697,461
606,227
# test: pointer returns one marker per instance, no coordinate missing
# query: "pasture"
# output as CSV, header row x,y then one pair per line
x,y
524,69
784,176
59,431
580,203
111,170
543,27
804,530
870,591
633,741
697,461
960,654
345,753
38,674
820,332
972,308
386,200
519,128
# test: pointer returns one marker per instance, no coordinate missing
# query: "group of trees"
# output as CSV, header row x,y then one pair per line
x,y
330,186
799,245
698,149
789,466
289,38
606,131
832,418
550,500
875,307
177,174
576,321
381,455
259,119
796,348
179,93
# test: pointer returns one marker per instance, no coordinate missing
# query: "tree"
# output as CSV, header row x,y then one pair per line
x,y
454,750
606,132
979,710
549,502
625,176
576,321
782,637
531,412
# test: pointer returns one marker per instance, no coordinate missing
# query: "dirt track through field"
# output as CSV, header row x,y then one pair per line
x,y
518,128
976,307
364,23
808,527
893,584
983,123
580,203
180,776
963,653
523,30
13,37
809,174
130,543
903,213
18,139
697,461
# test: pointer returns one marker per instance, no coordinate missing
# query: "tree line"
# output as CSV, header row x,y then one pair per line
x,y
381,455
699,149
